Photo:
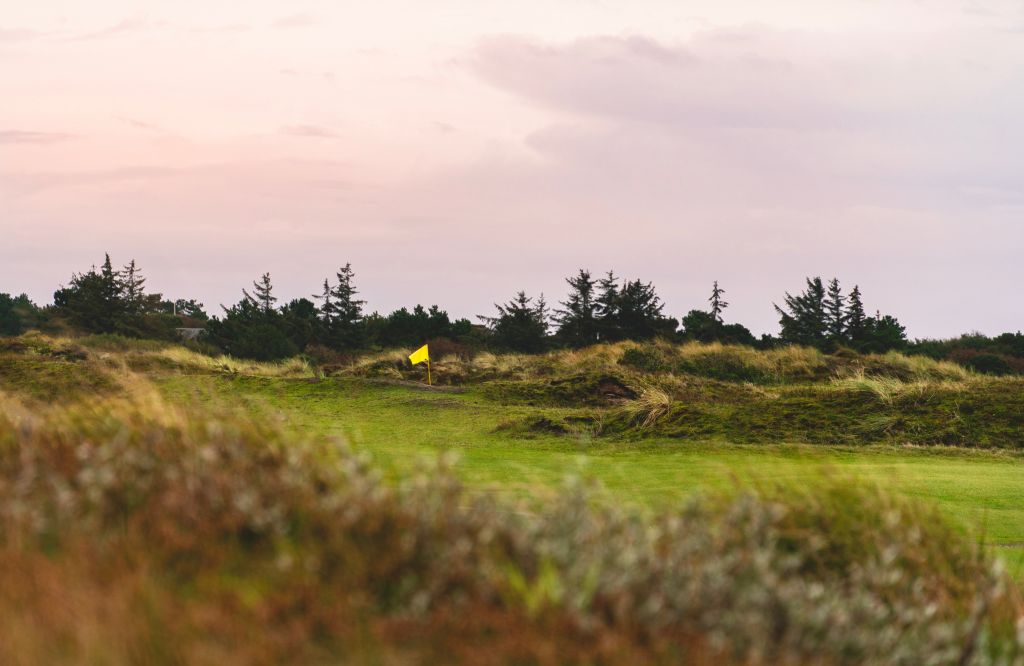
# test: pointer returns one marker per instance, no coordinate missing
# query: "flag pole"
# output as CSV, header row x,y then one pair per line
x,y
429,381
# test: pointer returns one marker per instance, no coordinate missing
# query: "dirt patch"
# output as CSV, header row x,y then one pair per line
x,y
612,389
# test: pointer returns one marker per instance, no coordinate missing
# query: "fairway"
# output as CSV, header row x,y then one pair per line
x,y
399,425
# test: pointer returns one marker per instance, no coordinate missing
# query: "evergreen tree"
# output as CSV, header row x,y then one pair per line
x,y
93,300
857,323
639,312
17,314
835,313
114,305
577,322
607,308
264,299
253,328
700,326
717,304
300,322
403,328
885,333
543,312
803,320
346,329
326,309
190,308
133,289
520,325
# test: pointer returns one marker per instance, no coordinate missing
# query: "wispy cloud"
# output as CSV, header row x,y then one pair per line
x,y
22,136
295,21
121,28
141,125
310,131
24,184
17,35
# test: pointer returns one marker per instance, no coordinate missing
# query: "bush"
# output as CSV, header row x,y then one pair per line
x,y
441,348
324,356
645,359
988,363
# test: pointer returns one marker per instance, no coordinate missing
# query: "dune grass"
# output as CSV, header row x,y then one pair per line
x,y
150,527
159,505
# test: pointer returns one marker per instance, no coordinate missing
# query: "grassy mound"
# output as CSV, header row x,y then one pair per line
x,y
131,530
981,413
731,363
38,368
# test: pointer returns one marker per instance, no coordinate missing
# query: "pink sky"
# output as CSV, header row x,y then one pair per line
x,y
458,151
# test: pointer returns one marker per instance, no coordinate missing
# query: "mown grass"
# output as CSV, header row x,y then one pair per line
x,y
514,450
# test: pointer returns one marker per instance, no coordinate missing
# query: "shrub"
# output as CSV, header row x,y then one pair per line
x,y
441,348
646,359
322,355
988,363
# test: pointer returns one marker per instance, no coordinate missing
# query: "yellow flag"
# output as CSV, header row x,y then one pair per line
x,y
420,355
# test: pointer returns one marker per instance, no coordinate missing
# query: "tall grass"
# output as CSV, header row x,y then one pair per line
x,y
133,530
783,365
185,359
890,391
652,404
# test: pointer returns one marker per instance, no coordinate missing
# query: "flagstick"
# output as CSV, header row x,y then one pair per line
x,y
429,381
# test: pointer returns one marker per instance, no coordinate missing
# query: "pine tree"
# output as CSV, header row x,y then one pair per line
x,y
639,311
885,334
520,325
347,308
803,320
857,324
326,299
542,312
606,307
189,308
133,288
17,314
835,313
264,299
346,329
114,304
577,323
717,304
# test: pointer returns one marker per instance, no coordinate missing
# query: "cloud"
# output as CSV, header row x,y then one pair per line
x,y
310,131
26,184
17,35
739,80
903,119
21,136
138,124
119,29
295,21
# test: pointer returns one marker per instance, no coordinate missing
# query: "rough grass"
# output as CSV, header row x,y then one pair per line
x,y
734,363
856,410
44,369
134,530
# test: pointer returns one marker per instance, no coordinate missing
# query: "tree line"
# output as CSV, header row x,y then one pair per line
x,y
604,308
